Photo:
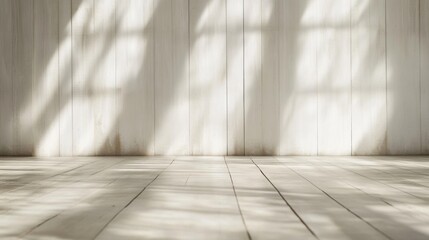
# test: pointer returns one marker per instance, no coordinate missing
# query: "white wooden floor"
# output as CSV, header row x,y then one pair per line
x,y
214,198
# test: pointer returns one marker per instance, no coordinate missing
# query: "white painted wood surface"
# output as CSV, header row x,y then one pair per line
x,y
270,77
253,77
65,77
171,36
102,81
131,77
82,65
235,76
208,114
135,77
6,78
424,73
334,78
368,52
22,76
261,77
45,80
214,198
298,77
403,77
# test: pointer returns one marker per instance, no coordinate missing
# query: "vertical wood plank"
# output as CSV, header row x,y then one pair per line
x,y
334,78
258,73
368,77
270,77
22,75
171,77
181,71
45,80
208,77
403,82
103,86
235,76
82,54
253,77
6,78
424,73
135,76
65,77
298,77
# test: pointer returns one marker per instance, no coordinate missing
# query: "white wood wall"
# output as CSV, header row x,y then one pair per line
x,y
214,77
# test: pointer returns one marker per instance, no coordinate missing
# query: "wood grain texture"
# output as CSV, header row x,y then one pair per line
x,y
354,174
22,75
45,80
253,77
102,83
297,197
6,78
65,77
214,198
298,77
270,77
82,55
403,82
216,216
333,78
205,77
368,52
235,76
277,219
424,73
208,121
135,76
171,77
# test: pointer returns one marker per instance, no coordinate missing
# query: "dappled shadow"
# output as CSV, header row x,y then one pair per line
x,y
162,77
194,197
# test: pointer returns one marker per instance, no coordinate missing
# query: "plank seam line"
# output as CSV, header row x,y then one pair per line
x,y
116,149
236,199
278,80
420,77
287,202
132,200
59,80
79,201
15,12
351,76
386,150
189,79
49,177
378,181
227,79
67,171
153,147
317,78
71,77
40,224
261,144
336,201
357,188
244,79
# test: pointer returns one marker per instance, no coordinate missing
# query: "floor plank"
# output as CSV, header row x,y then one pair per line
x,y
191,194
214,198
358,194
265,213
112,192
319,211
